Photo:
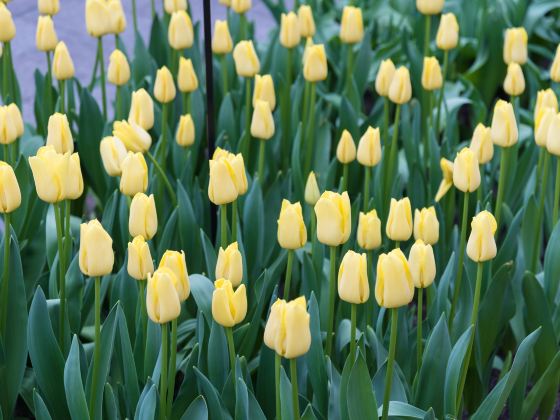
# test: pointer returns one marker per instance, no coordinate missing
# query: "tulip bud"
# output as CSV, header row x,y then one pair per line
x,y
384,77
545,99
352,25
49,171
312,192
292,233
431,74
481,144
175,261
399,222
48,7
429,7
504,126
164,88
333,213
142,220
447,36
59,134
185,131
346,149
230,264
7,27
393,286
542,125
142,110
162,301
466,171
369,148
369,230
96,250
481,245
240,6
237,165
134,177
180,33
515,46
262,124
117,23
422,264
289,30
98,18
514,83
8,126
553,136
221,186
353,286
45,37
140,263
172,6
17,120
426,225
63,66
264,90
112,152
118,72
306,21
134,137
186,79
400,90
315,64
447,181
246,60
221,42
228,307
10,197
555,67
74,187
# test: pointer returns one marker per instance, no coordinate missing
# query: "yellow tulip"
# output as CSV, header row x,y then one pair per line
x,y
180,33
229,264
185,131
172,6
142,109
447,181
369,230
514,83
140,263
289,30
186,79
222,187
399,223
8,126
292,233
134,177
162,301
175,261
384,77
353,286
306,21
142,219
238,166
466,171
555,67
400,90
447,36
228,307
48,7
481,245
45,37
63,66
17,120
312,193
426,225
333,213
315,67
112,152
346,149
393,286
264,90
352,25
430,7
369,148
504,126
164,87
246,60
542,125
7,27
481,144
221,41
96,256
98,18
545,99
240,6
515,46
422,264
431,74
118,72
117,23
553,136
262,123
74,187
10,194
59,134
134,137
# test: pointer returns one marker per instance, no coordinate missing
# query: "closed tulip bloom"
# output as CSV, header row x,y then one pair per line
x,y
186,79
180,33
117,23
221,41
264,90
504,126
175,261
394,286
275,324
315,67
306,21
346,149
7,26
229,264
10,194
48,7
431,74
74,181
17,120
222,188
481,144
545,99
426,225
240,6
369,147
447,36
553,137
96,256
515,46
59,134
63,66
292,233
384,77
353,286
333,213
142,109
45,37
369,230
49,173
185,131
247,62
430,7
262,124
98,18
352,25
447,181
287,329
542,125
134,177
466,171
162,301
134,137
555,67
238,166
228,307
289,30
8,126
481,245
399,222
514,83
400,90
140,263
118,72
172,6
312,193
112,152
422,264
142,220
164,88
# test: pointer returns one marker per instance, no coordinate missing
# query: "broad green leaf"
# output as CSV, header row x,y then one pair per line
x,y
360,396
147,405
455,364
41,411
197,410
401,409
216,411
73,384
539,389
202,289
316,360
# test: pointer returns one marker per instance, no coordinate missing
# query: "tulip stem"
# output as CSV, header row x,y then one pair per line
x,y
289,265
62,96
304,111
427,32
6,72
62,272
231,349
102,73
163,379
186,102
344,184
460,257
540,211
143,313
48,88
234,221
442,90
242,26
427,136
310,137
386,105
474,318
332,284
556,194
277,364
164,177
153,9
94,72
295,392
223,226
262,149
367,178
390,362
172,367
96,347
5,275
224,69
286,112
419,330
353,308
247,134
135,16
349,68
504,161
393,153
118,104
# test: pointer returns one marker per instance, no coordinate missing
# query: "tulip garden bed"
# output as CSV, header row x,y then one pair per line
x,y
353,217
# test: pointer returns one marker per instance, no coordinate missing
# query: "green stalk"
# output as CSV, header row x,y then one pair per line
x,y
163,379
223,226
542,151
313,229
349,68
102,69
310,135
262,149
118,103
504,161
143,314
96,348
247,134
62,272
427,137
367,178
164,118
231,349
234,221
287,120
67,236
390,362
419,330
288,274
164,177
242,26
353,307
277,363
295,392
540,211
223,66
440,100
5,72
344,184
460,257
556,194
5,274
135,16
153,9
427,32
305,111
392,154
186,96
62,97
332,290
94,72
172,367
48,87
386,105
